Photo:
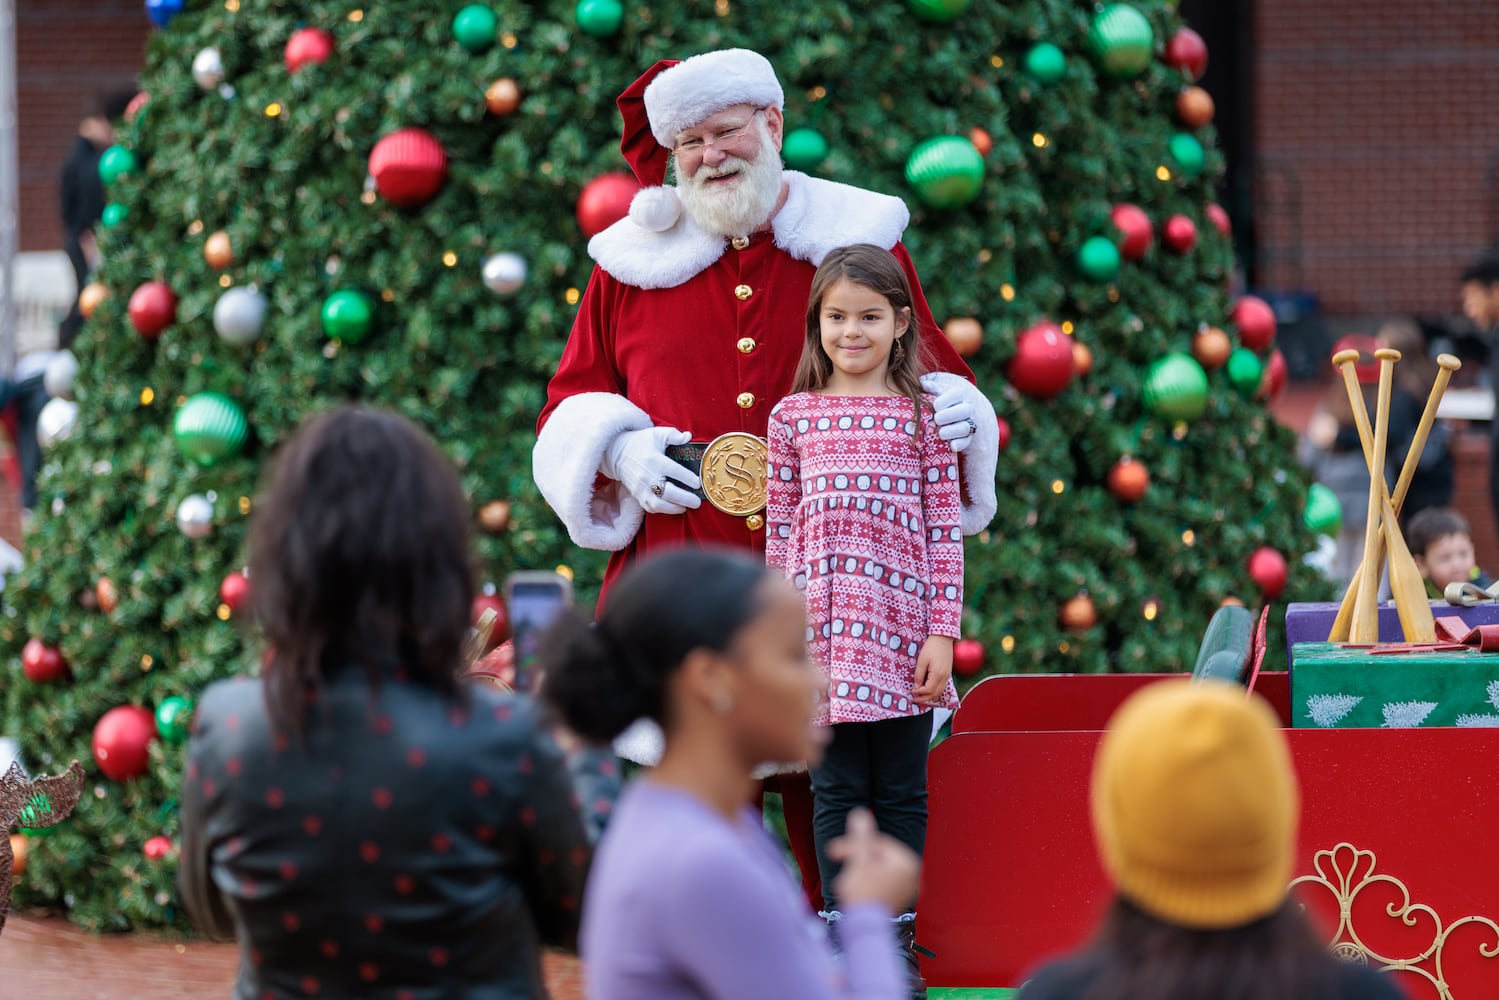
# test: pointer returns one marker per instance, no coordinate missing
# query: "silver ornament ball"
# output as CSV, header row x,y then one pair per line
x,y
56,422
59,375
239,315
504,273
208,68
195,516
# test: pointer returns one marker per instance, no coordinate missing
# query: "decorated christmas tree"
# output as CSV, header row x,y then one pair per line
x,y
322,201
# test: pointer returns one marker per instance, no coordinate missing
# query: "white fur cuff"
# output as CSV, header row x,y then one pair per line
x,y
683,95
980,460
565,464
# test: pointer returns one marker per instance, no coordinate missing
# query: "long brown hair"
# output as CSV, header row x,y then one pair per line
x,y
359,559
876,269
1137,955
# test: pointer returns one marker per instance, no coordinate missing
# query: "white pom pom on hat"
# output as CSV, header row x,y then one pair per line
x,y
655,208
688,92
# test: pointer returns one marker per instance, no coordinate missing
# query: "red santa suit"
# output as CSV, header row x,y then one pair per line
x,y
689,330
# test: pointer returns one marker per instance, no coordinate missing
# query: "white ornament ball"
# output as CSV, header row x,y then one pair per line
x,y
208,69
58,378
239,315
195,516
56,422
504,273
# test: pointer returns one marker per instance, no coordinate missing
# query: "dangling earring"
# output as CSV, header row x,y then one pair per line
x,y
900,352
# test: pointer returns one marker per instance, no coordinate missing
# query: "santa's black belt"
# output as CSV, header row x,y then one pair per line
x,y
732,469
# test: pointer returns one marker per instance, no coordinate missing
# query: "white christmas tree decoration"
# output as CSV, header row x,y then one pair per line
x,y
1478,720
1327,710
1407,714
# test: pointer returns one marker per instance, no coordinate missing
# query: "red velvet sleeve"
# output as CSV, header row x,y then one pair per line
x,y
587,363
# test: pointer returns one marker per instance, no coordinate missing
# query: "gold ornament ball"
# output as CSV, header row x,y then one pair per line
x,y
107,595
502,97
495,516
1082,358
1194,107
1211,348
1078,614
218,251
20,849
91,297
965,334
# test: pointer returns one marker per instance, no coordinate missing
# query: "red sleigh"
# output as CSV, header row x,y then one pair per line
x,y
1396,858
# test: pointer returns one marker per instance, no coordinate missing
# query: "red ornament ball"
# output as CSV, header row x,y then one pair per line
x,y
1134,224
157,848
42,663
982,140
1043,364
1256,322
1186,51
1219,218
137,102
1004,433
409,167
604,201
486,602
1179,234
967,657
308,45
235,591
153,308
121,739
1128,480
1275,378
1267,568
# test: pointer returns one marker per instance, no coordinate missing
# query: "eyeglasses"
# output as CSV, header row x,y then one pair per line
x,y
722,139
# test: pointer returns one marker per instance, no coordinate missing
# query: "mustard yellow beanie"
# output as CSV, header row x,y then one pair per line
x,y
1195,804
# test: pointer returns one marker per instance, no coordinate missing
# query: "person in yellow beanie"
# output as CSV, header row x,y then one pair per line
x,y
1195,808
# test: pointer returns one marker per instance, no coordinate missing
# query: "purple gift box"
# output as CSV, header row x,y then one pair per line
x,y
1310,622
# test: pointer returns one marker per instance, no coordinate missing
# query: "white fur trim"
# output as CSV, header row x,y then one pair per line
x,y
644,743
980,459
683,95
656,208
821,215
818,216
565,464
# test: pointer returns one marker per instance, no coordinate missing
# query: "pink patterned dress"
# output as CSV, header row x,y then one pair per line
x,y
865,523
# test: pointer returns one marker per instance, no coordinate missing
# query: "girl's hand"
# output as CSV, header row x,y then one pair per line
x,y
933,670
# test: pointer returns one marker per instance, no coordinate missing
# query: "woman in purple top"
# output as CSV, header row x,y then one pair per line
x,y
689,897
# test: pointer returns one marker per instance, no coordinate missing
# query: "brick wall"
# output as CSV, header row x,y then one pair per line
x,y
69,52
1385,115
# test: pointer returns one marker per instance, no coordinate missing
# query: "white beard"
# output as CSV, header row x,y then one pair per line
x,y
743,207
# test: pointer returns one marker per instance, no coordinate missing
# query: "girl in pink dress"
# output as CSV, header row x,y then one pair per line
x,y
863,517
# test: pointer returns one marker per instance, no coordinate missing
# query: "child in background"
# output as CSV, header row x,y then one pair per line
x,y
1442,545
863,517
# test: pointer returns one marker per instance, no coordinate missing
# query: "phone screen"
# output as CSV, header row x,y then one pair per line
x,y
533,606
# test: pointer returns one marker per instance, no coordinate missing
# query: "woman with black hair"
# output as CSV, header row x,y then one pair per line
x,y
689,897
365,824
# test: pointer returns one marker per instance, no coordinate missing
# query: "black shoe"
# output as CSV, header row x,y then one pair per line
x,y
905,933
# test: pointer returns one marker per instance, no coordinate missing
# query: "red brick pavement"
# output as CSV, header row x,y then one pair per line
x,y
53,960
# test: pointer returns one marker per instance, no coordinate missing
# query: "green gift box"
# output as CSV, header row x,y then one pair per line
x,y
1335,687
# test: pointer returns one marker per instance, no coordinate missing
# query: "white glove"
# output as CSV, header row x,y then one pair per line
x,y
637,459
954,414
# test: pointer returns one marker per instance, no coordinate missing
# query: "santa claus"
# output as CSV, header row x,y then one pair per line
x,y
692,325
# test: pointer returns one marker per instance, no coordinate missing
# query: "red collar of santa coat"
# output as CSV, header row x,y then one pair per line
x,y
818,216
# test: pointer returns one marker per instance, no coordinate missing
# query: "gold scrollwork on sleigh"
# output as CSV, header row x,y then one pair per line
x,y
1345,871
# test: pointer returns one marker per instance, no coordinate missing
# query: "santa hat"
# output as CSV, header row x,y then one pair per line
x,y
675,95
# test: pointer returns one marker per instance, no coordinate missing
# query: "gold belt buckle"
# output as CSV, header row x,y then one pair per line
x,y
734,473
